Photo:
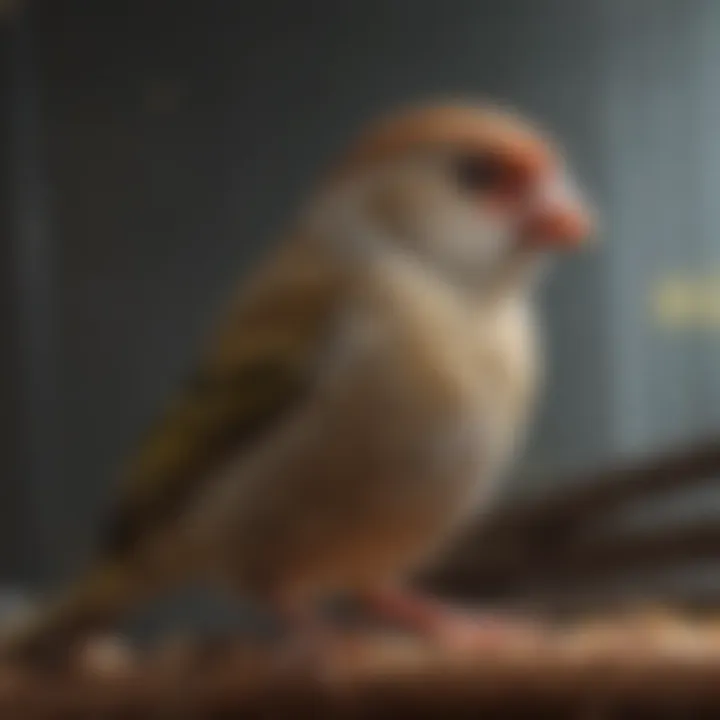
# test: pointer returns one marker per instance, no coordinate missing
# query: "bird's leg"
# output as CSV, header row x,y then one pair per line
x,y
443,624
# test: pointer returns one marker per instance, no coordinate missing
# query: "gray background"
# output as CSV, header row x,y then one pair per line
x,y
154,148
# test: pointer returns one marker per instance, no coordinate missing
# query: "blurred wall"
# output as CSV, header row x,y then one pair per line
x,y
159,146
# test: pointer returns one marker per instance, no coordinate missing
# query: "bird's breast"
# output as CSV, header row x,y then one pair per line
x,y
437,392
413,416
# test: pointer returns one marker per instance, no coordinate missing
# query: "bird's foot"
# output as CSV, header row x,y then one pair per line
x,y
448,627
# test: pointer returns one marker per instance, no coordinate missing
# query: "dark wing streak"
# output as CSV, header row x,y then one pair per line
x,y
259,368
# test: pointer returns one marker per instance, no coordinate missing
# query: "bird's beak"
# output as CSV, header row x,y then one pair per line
x,y
557,217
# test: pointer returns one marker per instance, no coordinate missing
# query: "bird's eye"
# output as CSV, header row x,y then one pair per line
x,y
486,173
478,172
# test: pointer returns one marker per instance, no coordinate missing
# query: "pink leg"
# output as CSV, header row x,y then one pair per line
x,y
443,624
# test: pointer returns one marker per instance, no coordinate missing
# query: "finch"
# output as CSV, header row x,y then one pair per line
x,y
364,391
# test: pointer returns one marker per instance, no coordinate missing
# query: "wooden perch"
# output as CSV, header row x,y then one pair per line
x,y
632,667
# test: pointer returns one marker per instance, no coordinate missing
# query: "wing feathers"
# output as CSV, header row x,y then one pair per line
x,y
261,362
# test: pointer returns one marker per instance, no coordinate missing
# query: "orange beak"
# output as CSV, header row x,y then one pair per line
x,y
556,217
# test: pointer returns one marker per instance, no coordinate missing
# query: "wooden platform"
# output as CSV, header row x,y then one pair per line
x,y
651,665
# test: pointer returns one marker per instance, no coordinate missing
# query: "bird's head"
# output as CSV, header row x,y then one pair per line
x,y
477,192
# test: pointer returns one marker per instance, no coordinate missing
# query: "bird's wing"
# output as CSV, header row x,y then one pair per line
x,y
260,364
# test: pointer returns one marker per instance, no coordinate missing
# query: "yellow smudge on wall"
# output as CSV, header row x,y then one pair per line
x,y
687,302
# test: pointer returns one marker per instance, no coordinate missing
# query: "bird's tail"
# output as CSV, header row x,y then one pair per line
x,y
91,605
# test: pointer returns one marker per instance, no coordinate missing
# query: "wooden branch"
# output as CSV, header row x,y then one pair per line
x,y
520,537
637,667
607,562
598,561
590,494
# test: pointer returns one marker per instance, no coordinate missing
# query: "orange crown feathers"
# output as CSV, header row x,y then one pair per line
x,y
456,125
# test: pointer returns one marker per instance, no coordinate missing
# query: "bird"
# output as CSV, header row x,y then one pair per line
x,y
363,393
